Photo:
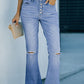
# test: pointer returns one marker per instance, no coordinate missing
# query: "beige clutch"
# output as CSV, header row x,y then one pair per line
x,y
16,30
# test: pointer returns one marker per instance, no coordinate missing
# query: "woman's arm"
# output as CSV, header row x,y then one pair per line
x,y
19,6
17,15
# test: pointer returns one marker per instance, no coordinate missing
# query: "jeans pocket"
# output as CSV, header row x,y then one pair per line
x,y
49,5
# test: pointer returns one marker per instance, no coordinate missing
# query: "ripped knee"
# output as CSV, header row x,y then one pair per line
x,y
30,52
57,53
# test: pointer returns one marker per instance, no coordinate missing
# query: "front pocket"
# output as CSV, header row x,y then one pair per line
x,y
48,4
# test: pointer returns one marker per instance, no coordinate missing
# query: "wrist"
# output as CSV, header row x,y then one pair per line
x,y
18,13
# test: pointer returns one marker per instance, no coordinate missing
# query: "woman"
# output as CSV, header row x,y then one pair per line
x,y
32,12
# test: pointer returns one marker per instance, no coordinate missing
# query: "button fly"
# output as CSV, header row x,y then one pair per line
x,y
40,5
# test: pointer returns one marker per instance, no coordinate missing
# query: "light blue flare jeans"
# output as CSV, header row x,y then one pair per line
x,y
33,12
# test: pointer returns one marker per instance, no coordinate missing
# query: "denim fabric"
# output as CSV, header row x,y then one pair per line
x,y
33,12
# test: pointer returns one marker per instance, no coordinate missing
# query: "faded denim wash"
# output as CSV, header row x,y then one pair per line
x,y
33,12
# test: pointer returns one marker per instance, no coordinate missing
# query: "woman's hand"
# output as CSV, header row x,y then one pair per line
x,y
16,18
51,2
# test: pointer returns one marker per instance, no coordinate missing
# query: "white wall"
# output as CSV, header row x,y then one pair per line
x,y
12,52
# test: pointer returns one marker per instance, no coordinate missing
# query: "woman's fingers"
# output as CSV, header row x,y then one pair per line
x,y
15,19
46,1
16,22
52,2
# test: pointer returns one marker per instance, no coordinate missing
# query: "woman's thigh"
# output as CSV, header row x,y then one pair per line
x,y
50,26
31,28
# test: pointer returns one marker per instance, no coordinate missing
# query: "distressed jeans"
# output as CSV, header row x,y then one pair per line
x,y
33,12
